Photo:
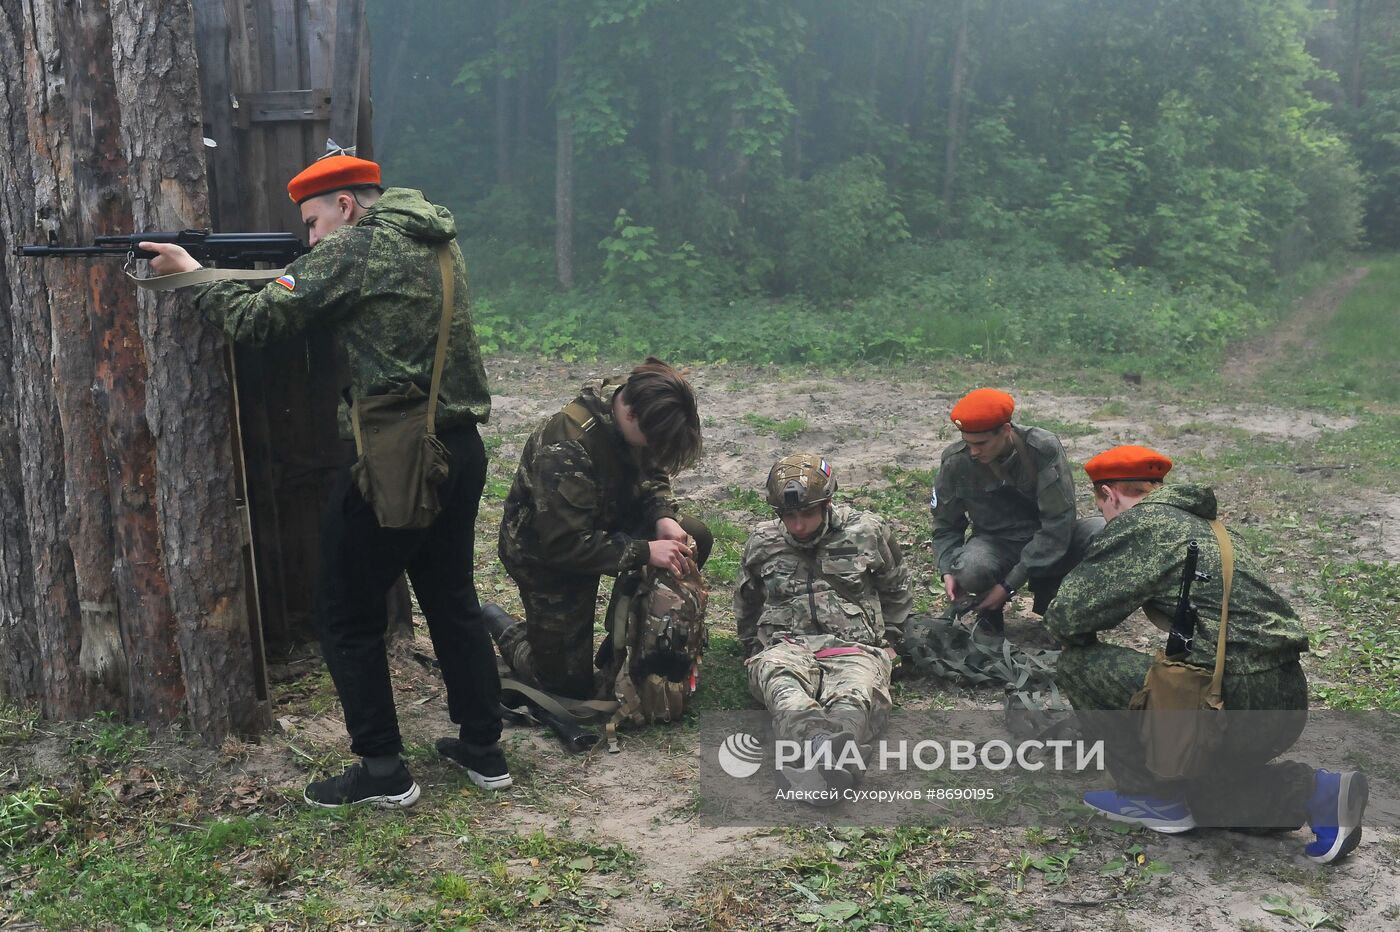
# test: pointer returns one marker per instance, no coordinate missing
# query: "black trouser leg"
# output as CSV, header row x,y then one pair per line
x,y
360,561
441,573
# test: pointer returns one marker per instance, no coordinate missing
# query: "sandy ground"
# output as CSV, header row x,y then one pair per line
x,y
643,798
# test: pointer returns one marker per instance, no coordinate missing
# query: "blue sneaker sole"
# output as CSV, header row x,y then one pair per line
x,y
1351,806
1164,826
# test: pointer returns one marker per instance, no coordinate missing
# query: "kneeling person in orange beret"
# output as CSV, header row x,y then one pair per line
x,y
1138,561
1015,489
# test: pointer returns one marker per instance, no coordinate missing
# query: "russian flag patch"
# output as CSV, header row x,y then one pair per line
x,y
288,282
826,469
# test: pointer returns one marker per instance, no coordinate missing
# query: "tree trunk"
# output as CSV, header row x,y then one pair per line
x,y
19,633
665,123
502,114
955,106
31,181
563,161
916,70
188,402
1358,13
146,641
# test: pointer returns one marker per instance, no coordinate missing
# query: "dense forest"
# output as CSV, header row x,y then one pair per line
x,y
815,180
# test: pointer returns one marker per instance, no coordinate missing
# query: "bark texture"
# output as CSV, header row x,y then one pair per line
x,y
157,89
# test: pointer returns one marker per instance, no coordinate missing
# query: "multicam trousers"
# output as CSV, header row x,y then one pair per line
x,y
553,647
1246,787
807,694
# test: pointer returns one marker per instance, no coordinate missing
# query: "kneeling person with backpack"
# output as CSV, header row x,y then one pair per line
x,y
592,498
823,595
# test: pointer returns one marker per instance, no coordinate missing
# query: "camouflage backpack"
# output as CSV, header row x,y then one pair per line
x,y
656,637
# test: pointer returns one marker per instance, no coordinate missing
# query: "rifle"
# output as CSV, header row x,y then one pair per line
x,y
1184,621
230,250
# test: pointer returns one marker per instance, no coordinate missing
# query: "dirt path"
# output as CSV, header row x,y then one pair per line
x,y
1294,336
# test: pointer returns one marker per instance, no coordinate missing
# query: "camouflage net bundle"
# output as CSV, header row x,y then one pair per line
x,y
942,647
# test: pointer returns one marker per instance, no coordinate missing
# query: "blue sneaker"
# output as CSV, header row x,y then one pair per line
x,y
1168,816
1334,813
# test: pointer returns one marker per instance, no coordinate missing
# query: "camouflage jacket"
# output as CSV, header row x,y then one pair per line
x,y
1006,500
376,284
581,493
1136,562
852,583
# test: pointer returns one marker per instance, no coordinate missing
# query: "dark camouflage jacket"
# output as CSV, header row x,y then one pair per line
x,y
851,582
581,493
1009,501
1136,561
376,284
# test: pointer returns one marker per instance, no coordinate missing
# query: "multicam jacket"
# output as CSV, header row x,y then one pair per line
x,y
581,493
851,582
1008,501
1136,562
376,284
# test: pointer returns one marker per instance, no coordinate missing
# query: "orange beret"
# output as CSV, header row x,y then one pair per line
x,y
1128,463
982,409
331,174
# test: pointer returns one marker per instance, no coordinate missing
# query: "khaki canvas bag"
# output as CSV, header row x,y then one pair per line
x,y
1183,720
401,461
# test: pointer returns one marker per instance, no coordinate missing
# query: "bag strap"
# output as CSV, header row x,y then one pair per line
x,y
581,711
449,285
1227,575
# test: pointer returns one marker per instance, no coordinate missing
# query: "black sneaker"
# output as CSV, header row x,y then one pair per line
x,y
396,791
485,766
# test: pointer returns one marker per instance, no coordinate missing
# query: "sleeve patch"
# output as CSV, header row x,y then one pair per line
x,y
288,282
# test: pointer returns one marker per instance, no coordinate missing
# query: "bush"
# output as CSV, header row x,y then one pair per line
x,y
937,300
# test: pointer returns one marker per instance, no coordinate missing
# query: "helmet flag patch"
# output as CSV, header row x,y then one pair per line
x,y
826,469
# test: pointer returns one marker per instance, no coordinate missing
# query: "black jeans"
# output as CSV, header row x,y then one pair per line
x,y
360,562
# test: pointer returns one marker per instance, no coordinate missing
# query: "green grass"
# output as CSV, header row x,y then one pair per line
x,y
356,865
1360,643
786,429
1355,361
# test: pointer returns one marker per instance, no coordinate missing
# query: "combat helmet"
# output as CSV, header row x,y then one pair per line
x,y
800,481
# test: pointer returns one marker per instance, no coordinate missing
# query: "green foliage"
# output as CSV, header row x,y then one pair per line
x,y
1182,153
637,267
830,229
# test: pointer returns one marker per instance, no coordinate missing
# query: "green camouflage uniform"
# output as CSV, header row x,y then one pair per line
x,y
1022,518
583,505
370,284
1136,562
847,589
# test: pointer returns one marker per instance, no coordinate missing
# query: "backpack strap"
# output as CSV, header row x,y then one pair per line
x,y
1227,575
580,711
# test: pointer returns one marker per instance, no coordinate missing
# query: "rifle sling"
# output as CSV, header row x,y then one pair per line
x,y
204,277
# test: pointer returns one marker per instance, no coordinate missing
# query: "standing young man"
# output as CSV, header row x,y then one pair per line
x,y
592,498
1013,485
373,277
